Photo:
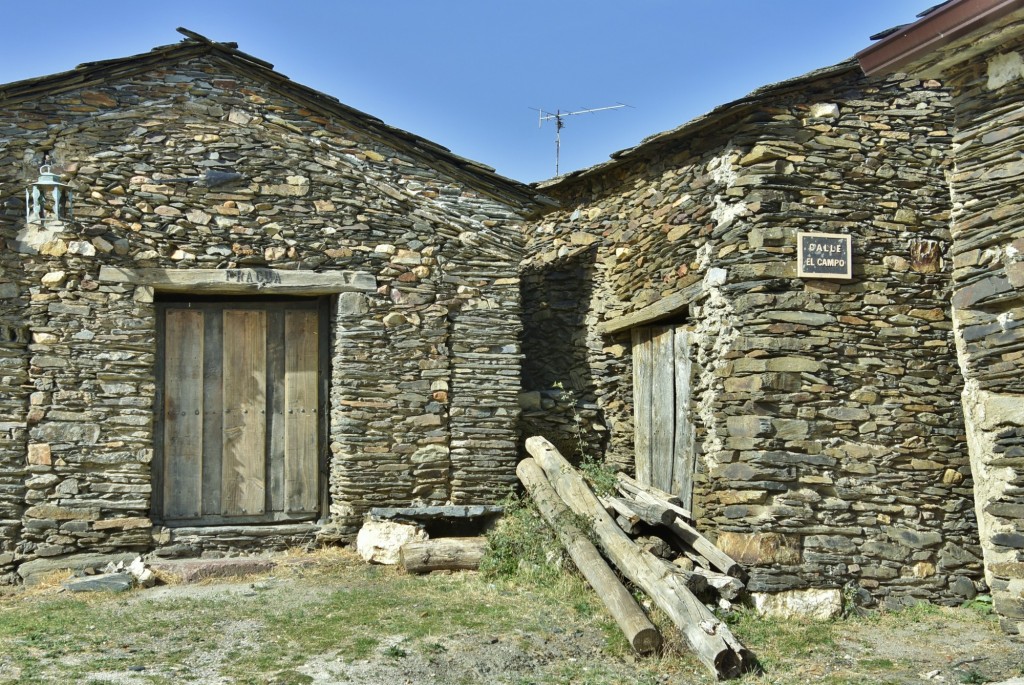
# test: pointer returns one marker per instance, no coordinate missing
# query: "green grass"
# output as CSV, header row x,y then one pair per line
x,y
342,611
341,614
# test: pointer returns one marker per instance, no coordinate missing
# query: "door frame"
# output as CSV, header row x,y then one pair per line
x,y
663,393
319,304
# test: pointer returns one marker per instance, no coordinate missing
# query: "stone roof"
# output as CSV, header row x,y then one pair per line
x,y
715,117
479,176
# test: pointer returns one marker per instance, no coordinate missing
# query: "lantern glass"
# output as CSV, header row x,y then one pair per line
x,y
48,199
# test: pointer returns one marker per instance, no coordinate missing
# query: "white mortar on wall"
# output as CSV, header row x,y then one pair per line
x,y
1003,69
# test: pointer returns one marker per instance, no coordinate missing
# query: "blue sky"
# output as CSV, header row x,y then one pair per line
x,y
466,73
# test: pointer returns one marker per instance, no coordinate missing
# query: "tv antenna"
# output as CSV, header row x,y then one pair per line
x,y
558,116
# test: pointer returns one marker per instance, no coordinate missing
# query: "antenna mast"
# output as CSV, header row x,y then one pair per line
x,y
558,117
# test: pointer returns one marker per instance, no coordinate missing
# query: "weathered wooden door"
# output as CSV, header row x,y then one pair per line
x,y
663,430
240,407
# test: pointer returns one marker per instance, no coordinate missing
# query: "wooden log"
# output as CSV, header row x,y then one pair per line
x,y
617,507
710,639
635,490
632,485
635,625
627,519
697,560
719,559
627,526
695,582
652,513
442,554
728,587
649,505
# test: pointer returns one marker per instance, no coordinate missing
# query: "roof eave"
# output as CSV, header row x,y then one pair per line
x,y
945,25
478,176
713,118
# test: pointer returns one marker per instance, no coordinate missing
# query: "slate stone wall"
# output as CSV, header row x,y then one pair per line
x,y
830,440
13,406
424,371
988,301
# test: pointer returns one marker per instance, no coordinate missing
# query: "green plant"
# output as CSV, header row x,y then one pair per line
x,y
972,677
521,544
982,604
599,475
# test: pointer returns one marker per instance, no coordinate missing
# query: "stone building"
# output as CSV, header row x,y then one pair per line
x,y
813,421
977,48
269,312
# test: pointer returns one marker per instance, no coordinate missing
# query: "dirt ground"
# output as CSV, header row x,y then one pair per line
x,y
235,624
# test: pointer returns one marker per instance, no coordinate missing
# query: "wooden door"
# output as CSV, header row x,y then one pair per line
x,y
239,431
663,429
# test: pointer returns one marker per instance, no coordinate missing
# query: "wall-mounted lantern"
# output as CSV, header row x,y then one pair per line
x,y
48,199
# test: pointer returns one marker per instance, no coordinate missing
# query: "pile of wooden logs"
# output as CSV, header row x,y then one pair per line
x,y
677,588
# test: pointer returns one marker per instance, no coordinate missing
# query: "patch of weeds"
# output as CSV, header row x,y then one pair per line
x,y
361,647
395,652
770,638
615,641
982,604
877,663
599,475
434,648
291,678
521,544
584,607
919,612
972,677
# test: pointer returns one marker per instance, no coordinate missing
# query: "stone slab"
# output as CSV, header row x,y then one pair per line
x,y
193,570
104,582
33,572
819,604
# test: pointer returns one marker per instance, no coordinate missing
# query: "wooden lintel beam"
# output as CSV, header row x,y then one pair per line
x,y
241,281
663,308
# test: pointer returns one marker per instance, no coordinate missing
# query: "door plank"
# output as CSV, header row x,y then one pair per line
x,y
245,398
183,413
643,374
663,407
301,402
213,412
685,459
276,417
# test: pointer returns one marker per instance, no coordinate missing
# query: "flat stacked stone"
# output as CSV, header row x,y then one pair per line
x,y
988,303
191,157
827,417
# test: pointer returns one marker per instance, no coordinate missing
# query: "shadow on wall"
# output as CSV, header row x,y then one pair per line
x,y
559,398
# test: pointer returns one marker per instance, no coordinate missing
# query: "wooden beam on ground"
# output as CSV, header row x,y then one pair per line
x,y
633,489
719,559
638,629
442,554
652,513
709,638
617,507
